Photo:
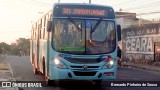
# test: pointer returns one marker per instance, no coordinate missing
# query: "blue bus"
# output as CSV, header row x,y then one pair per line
x,y
76,42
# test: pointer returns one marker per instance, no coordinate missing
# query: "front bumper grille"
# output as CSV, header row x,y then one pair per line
x,y
78,73
83,60
81,67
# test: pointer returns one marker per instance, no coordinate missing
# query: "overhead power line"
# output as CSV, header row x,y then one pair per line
x,y
36,3
143,6
124,3
148,13
41,2
15,31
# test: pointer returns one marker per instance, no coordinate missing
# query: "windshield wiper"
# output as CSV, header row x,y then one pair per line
x,y
94,28
79,29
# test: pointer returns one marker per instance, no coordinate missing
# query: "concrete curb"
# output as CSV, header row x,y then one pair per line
x,y
16,88
147,67
9,78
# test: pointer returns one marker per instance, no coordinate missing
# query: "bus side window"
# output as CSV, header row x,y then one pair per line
x,y
44,29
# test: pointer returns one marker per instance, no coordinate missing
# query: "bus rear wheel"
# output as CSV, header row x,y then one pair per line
x,y
35,70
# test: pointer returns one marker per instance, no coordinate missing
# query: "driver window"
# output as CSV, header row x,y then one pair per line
x,y
111,31
57,32
100,33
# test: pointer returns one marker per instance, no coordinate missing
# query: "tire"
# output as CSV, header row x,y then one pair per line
x,y
35,70
47,80
44,70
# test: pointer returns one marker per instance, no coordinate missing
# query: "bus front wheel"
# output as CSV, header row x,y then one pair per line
x,y
47,80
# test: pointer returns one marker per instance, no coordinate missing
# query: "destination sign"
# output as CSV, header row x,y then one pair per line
x,y
92,12
82,10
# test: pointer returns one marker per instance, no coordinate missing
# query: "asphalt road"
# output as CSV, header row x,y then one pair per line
x,y
22,71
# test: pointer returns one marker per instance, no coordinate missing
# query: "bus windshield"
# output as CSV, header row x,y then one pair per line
x,y
82,36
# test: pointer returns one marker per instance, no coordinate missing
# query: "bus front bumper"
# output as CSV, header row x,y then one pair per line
x,y
64,74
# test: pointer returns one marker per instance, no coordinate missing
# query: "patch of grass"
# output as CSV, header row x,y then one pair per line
x,y
4,66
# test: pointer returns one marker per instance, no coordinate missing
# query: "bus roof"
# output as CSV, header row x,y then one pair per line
x,y
82,4
111,16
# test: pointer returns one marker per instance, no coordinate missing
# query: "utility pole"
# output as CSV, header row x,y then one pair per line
x,y
90,1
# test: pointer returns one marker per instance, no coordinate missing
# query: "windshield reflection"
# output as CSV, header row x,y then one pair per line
x,y
84,36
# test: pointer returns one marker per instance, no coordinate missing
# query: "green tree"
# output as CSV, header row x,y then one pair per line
x,y
23,45
14,49
4,48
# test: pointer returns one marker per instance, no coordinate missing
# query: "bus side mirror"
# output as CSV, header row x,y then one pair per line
x,y
119,32
49,26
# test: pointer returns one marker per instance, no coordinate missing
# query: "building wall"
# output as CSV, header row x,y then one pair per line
x,y
138,42
130,22
125,22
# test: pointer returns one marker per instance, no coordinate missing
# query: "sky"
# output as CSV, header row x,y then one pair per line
x,y
16,16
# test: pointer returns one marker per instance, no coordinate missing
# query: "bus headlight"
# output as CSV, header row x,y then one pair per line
x,y
56,61
59,64
110,63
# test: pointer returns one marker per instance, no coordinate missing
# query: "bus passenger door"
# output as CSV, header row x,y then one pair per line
x,y
36,49
38,46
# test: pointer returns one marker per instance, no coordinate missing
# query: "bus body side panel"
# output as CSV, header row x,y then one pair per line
x,y
54,72
43,37
47,53
36,49
31,51
31,46
42,53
